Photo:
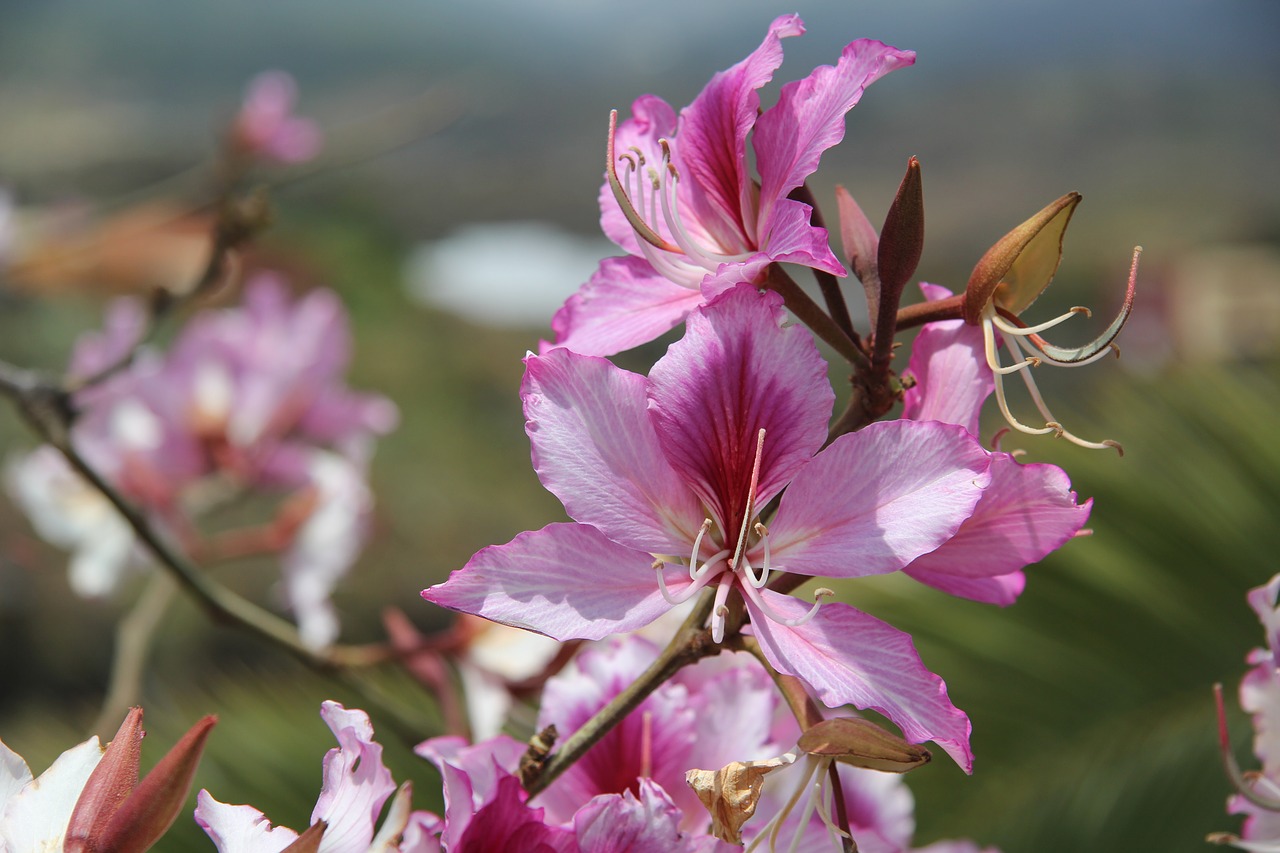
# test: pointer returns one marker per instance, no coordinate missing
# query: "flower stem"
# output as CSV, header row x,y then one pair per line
x,y
807,311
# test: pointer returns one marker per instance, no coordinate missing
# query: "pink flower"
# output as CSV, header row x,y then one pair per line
x,y
356,785
680,198
1027,512
682,463
266,126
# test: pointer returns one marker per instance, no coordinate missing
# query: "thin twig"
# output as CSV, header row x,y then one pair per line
x,y
807,311
827,283
133,647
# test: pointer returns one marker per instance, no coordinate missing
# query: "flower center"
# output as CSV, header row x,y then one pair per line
x,y
733,568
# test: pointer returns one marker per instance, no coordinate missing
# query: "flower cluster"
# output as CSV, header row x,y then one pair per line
x,y
247,399
1259,793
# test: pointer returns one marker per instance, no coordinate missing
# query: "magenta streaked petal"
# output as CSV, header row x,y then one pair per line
x,y
1027,512
624,304
951,372
712,140
593,448
736,371
809,118
507,823
848,657
470,775
878,498
567,581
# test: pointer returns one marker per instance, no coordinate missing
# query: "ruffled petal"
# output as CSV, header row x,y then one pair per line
x,y
1027,512
878,498
567,581
739,370
625,304
37,816
593,448
793,240
712,139
630,823
240,829
809,118
848,657
356,782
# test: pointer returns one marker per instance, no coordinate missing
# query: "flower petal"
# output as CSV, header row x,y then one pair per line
x,y
567,581
240,829
712,139
625,303
627,823
951,373
809,118
593,448
878,498
848,657
356,782
739,370
37,816
1027,512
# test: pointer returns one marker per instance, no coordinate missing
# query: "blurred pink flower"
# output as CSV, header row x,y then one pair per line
x,y
266,126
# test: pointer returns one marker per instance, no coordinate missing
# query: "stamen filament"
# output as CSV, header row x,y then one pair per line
x,y
993,361
749,511
705,576
636,220
1005,326
757,599
697,548
720,609
1052,423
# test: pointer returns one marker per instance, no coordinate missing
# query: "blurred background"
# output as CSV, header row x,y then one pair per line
x,y
454,208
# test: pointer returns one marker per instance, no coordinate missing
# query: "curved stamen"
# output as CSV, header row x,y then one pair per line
x,y
704,577
759,581
993,361
636,220
773,828
818,600
1005,326
697,549
720,609
1053,423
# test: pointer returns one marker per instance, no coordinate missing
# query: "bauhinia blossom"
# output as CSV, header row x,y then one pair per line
x,y
1259,796
247,399
679,196
1028,510
666,477
266,126
356,786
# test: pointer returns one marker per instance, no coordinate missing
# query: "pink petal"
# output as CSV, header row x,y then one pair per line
x,y
951,373
792,239
507,823
627,823
848,657
739,370
625,304
878,498
809,118
356,782
593,448
240,829
567,581
712,140
651,119
1027,512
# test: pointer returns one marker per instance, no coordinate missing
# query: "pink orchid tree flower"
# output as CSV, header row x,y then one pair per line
x,y
266,126
1027,512
680,199
356,786
1259,793
682,462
